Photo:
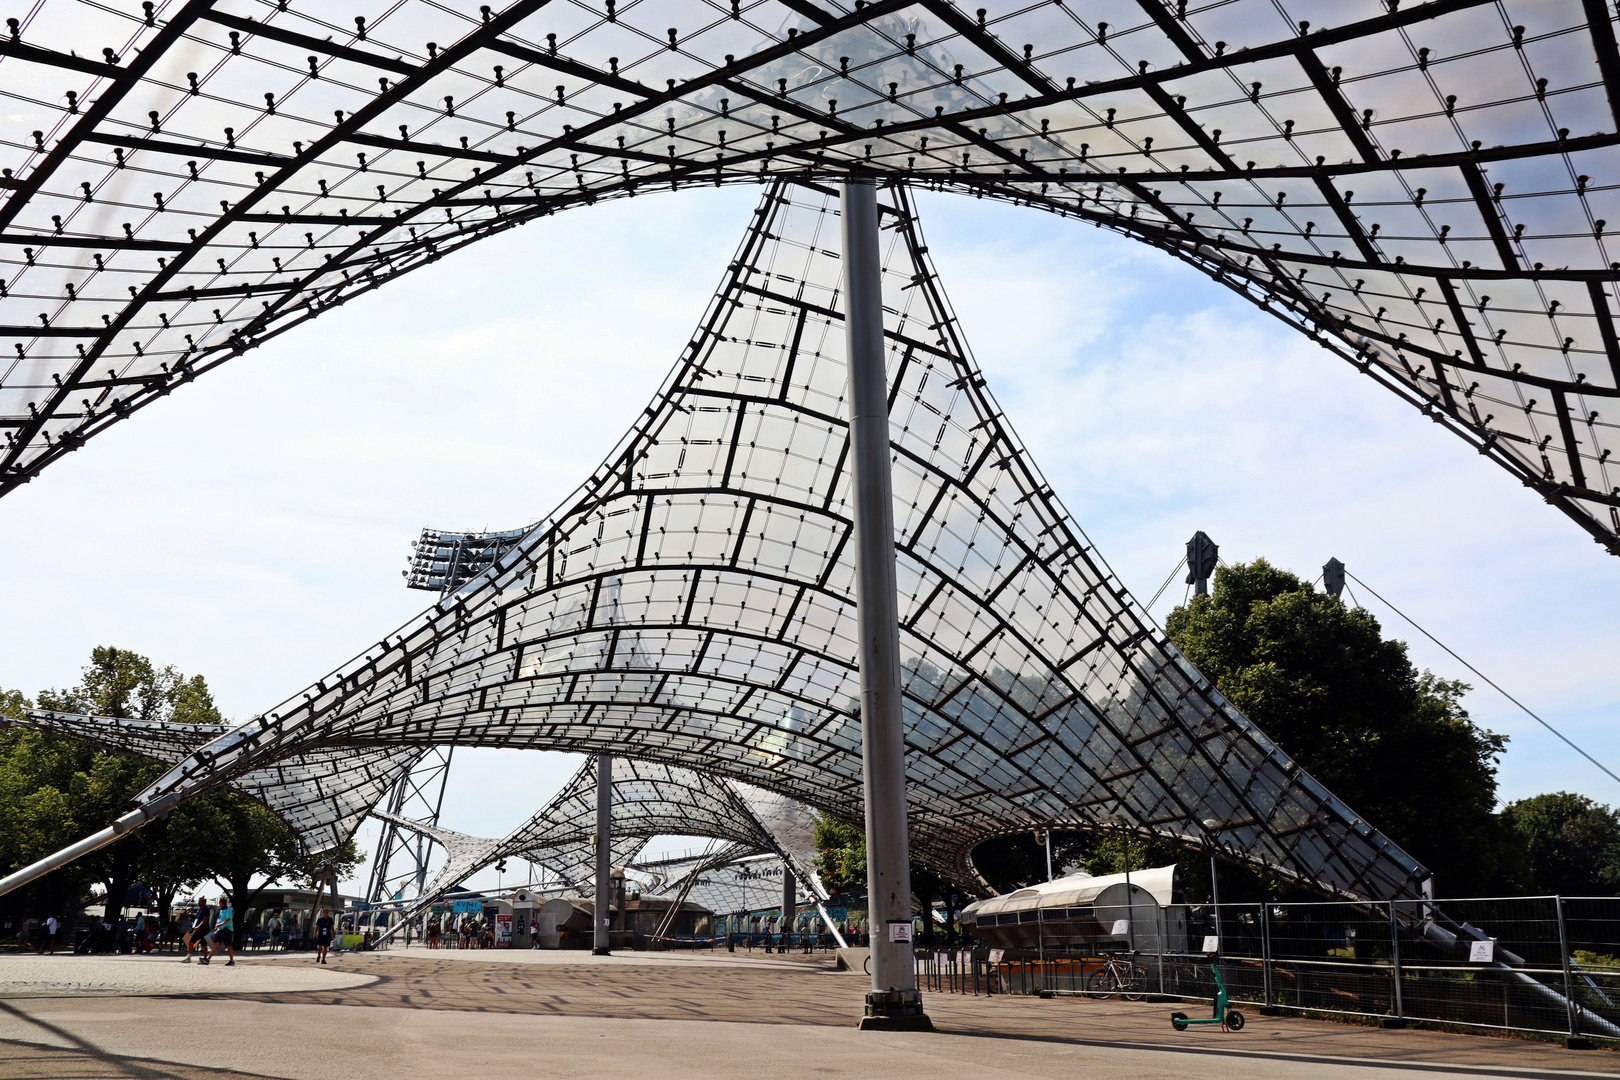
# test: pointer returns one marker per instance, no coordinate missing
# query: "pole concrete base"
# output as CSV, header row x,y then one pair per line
x,y
920,1022
895,1010
601,952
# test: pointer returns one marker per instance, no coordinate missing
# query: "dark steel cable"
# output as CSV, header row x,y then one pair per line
x,y
1488,682
1166,585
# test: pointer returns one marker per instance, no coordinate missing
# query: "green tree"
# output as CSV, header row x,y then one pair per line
x,y
37,774
1320,679
1573,844
54,790
840,855
123,684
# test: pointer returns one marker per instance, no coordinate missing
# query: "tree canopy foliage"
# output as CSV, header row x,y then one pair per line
x,y
1572,844
1322,681
55,790
840,855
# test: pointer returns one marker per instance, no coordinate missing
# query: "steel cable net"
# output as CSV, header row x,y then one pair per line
x,y
1421,188
729,882
693,604
649,799
322,795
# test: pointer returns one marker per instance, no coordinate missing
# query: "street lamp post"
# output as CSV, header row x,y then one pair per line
x,y
1214,884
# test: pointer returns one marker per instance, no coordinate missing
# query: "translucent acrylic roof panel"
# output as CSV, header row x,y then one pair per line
x,y
1425,189
732,886
649,799
692,605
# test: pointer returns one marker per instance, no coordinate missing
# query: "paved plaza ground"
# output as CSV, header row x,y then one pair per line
x,y
404,1015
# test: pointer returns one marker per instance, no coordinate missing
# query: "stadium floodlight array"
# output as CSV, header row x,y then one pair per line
x,y
692,604
443,561
1425,189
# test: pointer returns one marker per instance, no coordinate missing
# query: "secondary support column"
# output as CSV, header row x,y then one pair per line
x,y
604,854
790,905
893,1003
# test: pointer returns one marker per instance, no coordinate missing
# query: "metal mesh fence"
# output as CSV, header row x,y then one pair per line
x,y
1548,966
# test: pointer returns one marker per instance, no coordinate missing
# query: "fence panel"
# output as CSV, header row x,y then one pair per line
x,y
1543,965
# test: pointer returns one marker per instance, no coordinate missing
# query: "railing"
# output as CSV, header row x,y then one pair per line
x,y
1548,966
957,971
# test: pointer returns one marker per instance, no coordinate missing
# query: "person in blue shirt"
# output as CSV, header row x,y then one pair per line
x,y
224,931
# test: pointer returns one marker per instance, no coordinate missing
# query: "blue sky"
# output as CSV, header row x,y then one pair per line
x,y
253,526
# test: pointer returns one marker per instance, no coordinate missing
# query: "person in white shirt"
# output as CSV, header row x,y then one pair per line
x,y
49,944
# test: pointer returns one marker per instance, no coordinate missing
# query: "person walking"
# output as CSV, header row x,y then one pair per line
x,y
275,930
48,944
225,931
205,936
323,935
194,933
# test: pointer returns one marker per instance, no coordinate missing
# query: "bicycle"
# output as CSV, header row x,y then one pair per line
x,y
1119,977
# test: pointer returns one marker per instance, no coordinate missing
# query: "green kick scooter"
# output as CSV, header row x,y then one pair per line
x,y
1229,1019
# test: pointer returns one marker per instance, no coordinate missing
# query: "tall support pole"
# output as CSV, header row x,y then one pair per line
x,y
604,855
790,905
893,1002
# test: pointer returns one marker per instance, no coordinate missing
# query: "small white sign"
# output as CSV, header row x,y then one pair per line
x,y
1212,944
996,955
1121,928
1481,952
900,932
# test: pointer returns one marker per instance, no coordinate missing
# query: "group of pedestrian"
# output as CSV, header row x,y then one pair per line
x,y
212,931
467,933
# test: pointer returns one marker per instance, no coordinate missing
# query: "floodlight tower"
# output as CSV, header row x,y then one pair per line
x,y
419,796
440,562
